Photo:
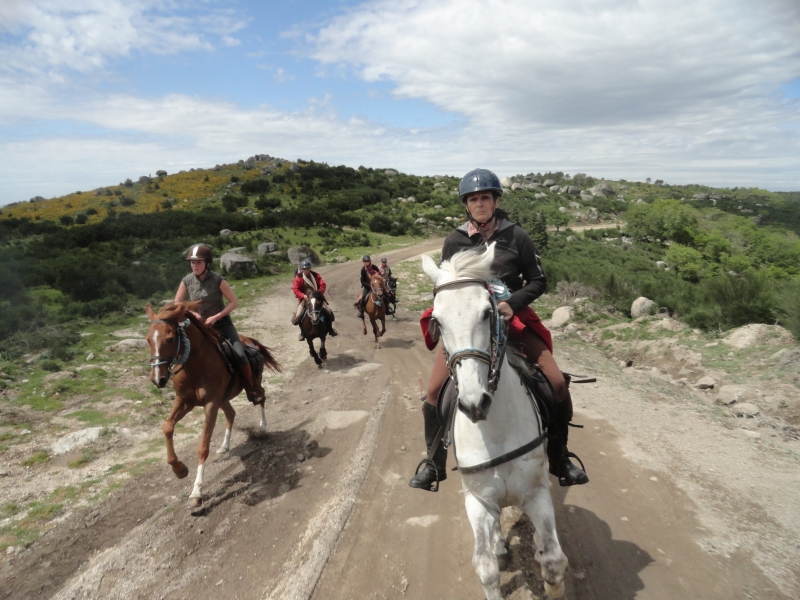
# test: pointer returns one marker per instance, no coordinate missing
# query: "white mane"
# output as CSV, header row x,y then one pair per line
x,y
470,264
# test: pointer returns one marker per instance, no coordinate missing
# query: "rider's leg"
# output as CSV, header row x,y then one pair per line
x,y
427,476
363,301
296,319
329,315
560,465
255,393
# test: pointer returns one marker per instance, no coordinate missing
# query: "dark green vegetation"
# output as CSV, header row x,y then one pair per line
x,y
733,256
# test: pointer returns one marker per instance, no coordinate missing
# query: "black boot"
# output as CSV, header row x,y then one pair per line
x,y
560,464
331,331
426,479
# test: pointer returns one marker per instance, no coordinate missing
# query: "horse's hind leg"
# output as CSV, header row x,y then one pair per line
x,y
196,497
179,410
484,560
230,414
548,550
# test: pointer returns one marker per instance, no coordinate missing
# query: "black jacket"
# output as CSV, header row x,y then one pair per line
x,y
516,262
365,277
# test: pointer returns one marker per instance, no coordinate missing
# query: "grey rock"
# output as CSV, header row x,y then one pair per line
x,y
76,439
217,168
437,185
562,209
573,189
642,306
411,199
267,247
592,213
561,316
39,199
233,262
602,188
586,197
661,264
548,183
516,186
144,179
705,383
297,254
555,188
225,232
421,221
536,184
161,173
505,182
730,394
745,409
570,238
437,207
390,172
574,205
130,345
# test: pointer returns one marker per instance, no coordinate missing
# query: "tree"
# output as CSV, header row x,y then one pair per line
x,y
558,219
687,262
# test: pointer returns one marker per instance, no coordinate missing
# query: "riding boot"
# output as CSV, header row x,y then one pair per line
x,y
426,478
557,453
331,331
361,307
255,393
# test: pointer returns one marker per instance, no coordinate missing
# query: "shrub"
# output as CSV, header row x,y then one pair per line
x,y
234,178
91,211
66,220
380,224
51,365
265,203
128,183
231,202
127,201
81,218
256,186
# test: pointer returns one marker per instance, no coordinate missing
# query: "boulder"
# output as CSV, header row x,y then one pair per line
x,y
505,182
420,221
662,265
731,394
161,173
548,183
555,188
217,168
516,186
267,247
602,188
592,213
746,410
561,316
642,307
700,197
705,383
562,209
233,262
540,195
570,238
757,333
411,199
225,232
144,179
297,254
37,199
390,172
586,197
437,185
130,345
572,189
76,439
574,205
250,163
437,207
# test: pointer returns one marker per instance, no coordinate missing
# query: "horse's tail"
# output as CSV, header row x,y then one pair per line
x,y
269,360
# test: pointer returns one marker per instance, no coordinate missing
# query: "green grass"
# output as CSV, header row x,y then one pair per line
x,y
36,459
88,456
95,418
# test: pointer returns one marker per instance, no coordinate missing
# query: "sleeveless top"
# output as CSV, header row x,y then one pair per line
x,y
207,292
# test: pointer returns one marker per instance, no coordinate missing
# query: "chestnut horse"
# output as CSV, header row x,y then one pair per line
x,y
182,346
375,306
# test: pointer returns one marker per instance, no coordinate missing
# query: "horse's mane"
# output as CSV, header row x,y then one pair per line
x,y
178,311
469,264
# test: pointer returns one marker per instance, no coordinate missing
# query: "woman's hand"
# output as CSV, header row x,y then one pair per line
x,y
505,311
196,314
212,319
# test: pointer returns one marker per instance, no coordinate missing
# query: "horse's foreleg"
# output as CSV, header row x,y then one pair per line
x,y
179,410
484,560
364,323
230,414
499,545
263,425
323,353
383,325
549,555
203,448
312,351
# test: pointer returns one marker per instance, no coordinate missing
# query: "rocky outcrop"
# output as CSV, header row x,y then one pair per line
x,y
267,247
297,254
233,262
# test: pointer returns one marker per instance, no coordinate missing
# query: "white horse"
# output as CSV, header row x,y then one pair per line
x,y
465,312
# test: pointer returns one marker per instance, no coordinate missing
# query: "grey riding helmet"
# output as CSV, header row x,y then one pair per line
x,y
366,258
306,264
479,180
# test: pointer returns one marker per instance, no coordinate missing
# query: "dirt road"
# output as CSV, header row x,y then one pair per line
x,y
320,507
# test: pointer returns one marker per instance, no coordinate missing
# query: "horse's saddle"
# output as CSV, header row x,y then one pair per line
x,y
232,363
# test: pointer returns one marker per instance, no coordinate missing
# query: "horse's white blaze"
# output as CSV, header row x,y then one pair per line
x,y
511,423
155,371
226,442
197,490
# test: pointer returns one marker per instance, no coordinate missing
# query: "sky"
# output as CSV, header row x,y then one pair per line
x,y
688,91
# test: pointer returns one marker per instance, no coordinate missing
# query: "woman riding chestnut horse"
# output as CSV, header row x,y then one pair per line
x,y
517,264
208,287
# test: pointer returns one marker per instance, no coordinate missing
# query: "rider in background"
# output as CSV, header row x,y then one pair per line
x,y
305,282
367,271
386,272
209,288
517,264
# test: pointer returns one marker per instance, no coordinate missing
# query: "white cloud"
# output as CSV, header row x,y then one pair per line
x,y
682,86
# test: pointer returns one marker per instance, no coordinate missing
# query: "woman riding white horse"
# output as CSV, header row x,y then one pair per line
x,y
516,263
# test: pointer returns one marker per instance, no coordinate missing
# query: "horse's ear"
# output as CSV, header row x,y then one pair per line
x,y
150,313
430,268
488,256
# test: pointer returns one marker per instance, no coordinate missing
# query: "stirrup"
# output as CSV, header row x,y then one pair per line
x,y
562,480
434,487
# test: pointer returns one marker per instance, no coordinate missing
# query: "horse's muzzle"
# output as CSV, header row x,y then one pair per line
x,y
477,412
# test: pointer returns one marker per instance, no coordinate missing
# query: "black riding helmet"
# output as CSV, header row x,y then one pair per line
x,y
479,180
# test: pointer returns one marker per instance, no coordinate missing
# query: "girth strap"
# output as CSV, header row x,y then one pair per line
x,y
504,458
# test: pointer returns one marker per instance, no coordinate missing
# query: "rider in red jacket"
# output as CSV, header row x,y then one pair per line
x,y
305,282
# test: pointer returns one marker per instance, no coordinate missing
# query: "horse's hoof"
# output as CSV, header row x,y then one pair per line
x,y
554,591
195,502
180,471
503,561
222,450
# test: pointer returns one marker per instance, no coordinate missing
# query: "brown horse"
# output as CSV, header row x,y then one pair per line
x,y
313,326
182,346
375,307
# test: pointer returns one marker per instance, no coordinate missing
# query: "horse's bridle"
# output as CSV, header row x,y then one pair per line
x,y
497,343
374,292
183,340
313,314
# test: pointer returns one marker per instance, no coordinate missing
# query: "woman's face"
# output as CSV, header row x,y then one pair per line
x,y
367,263
198,266
481,205
306,271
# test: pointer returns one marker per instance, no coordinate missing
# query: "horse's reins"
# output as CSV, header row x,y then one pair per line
x,y
375,294
183,340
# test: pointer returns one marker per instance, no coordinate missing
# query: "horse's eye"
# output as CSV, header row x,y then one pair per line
x,y
487,312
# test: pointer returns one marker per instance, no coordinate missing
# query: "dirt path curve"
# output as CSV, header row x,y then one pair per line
x,y
320,508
